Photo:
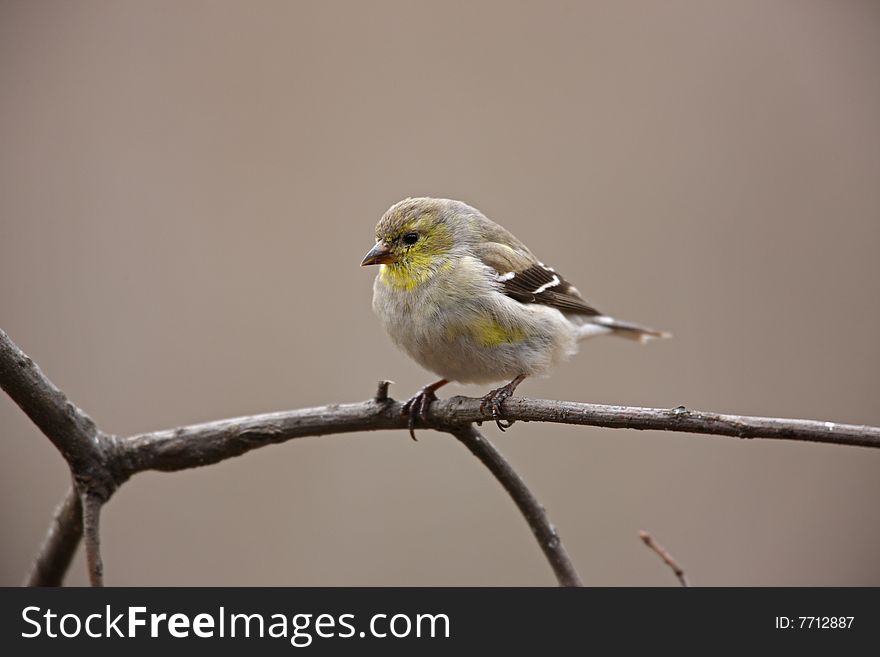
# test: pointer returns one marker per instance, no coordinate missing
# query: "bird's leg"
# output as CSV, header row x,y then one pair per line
x,y
418,405
496,397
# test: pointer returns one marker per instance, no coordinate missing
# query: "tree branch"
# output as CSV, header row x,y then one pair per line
x,y
211,442
86,449
59,546
70,430
544,531
100,462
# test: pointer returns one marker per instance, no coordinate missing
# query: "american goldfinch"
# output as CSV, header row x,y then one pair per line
x,y
468,301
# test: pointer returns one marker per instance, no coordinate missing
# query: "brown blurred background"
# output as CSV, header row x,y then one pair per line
x,y
187,188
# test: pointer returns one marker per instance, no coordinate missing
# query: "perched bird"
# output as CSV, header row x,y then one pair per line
x,y
468,301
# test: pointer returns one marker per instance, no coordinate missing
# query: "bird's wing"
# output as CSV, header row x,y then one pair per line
x,y
524,278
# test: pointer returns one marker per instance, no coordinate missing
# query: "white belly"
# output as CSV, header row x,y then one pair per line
x,y
437,336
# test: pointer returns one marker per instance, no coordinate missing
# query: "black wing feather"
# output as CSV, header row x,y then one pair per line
x,y
540,284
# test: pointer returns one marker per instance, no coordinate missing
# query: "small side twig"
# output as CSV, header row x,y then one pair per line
x,y
667,558
381,396
533,512
91,507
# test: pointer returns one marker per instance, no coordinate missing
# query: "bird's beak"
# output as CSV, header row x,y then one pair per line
x,y
380,254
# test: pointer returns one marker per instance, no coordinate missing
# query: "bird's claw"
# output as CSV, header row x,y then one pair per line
x,y
417,407
493,400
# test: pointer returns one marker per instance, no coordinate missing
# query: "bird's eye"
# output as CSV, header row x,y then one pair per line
x,y
410,238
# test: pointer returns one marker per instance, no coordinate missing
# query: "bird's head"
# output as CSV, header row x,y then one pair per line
x,y
416,237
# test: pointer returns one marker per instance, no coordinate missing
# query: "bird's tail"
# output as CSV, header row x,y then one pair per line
x,y
602,324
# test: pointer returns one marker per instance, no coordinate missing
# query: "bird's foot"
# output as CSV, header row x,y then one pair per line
x,y
496,397
417,407
493,400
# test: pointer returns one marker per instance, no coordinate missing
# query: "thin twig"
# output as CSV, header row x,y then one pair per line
x,y
667,558
544,531
91,506
59,546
